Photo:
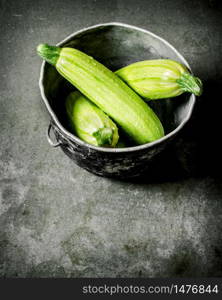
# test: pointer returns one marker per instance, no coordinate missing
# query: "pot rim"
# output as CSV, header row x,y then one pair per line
x,y
72,137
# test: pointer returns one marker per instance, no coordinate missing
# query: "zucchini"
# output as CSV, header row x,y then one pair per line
x,y
160,78
89,122
107,91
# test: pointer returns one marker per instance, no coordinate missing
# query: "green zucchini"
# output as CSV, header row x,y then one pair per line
x,y
89,122
160,78
107,91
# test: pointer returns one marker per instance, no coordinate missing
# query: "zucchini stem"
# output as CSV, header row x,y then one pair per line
x,y
49,53
189,83
104,136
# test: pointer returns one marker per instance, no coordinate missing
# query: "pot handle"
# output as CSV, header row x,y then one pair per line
x,y
54,144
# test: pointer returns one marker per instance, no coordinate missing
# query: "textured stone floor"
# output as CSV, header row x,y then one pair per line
x,y
57,220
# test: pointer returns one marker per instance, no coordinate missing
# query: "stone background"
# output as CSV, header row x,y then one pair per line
x,y
58,220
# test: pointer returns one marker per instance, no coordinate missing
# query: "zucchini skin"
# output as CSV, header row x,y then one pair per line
x,y
107,91
160,78
89,122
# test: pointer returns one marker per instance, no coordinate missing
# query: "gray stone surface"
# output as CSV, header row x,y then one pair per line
x,y
57,220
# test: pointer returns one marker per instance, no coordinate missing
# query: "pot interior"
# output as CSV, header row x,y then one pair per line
x,y
116,46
